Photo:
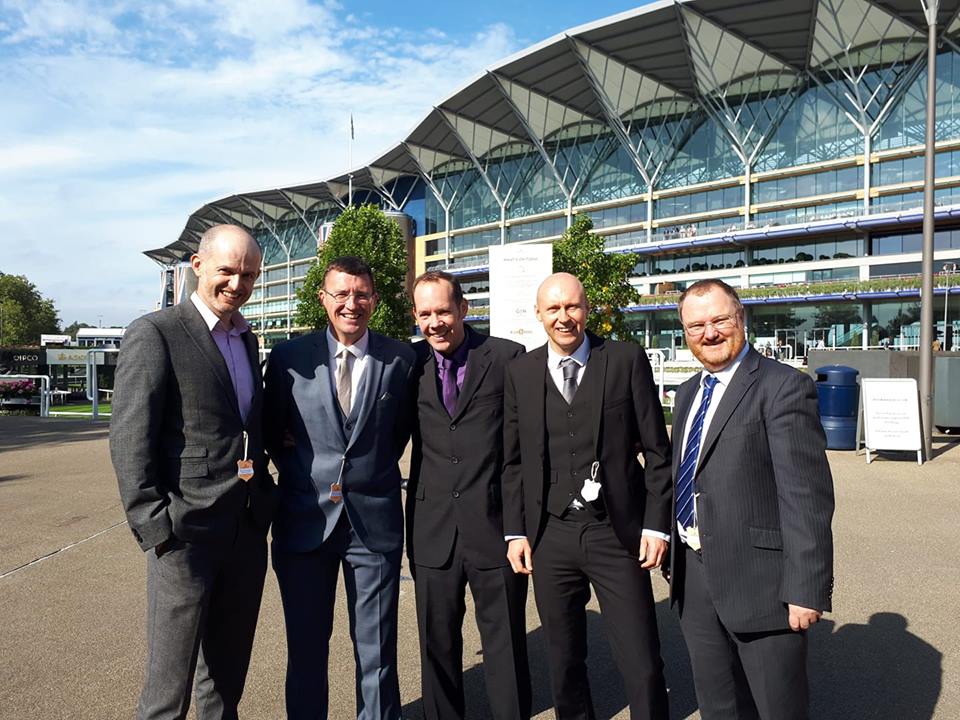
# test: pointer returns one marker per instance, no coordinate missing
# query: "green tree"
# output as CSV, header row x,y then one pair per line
x,y
24,313
604,276
369,234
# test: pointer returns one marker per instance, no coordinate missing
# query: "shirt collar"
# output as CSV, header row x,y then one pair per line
x,y
358,349
239,323
726,375
459,356
580,355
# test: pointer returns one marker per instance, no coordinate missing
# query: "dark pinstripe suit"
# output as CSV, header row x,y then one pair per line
x,y
765,503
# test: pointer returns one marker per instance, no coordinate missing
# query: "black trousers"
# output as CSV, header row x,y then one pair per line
x,y
500,599
740,676
571,556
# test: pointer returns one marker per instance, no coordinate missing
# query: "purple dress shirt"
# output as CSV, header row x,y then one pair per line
x,y
234,351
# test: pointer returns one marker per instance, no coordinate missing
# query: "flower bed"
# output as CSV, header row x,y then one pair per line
x,y
17,389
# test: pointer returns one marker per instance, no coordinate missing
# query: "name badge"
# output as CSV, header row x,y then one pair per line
x,y
336,492
245,470
693,537
591,486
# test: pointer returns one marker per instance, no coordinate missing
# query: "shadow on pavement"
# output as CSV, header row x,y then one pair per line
x,y
18,431
605,683
877,670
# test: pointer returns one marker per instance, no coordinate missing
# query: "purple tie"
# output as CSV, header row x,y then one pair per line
x,y
449,386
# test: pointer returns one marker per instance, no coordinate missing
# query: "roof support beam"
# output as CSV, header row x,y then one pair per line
x,y
534,139
473,158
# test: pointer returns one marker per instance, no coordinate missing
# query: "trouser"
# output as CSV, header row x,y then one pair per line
x,y
203,599
571,556
499,598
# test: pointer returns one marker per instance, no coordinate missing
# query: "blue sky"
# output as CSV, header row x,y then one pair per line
x,y
122,117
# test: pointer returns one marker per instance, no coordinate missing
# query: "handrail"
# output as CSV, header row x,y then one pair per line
x,y
657,362
93,392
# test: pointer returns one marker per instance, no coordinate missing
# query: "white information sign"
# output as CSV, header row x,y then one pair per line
x,y
891,415
55,340
516,272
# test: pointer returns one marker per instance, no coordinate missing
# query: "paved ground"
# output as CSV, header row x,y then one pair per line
x,y
72,597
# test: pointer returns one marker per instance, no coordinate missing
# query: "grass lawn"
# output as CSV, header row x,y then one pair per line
x,y
81,410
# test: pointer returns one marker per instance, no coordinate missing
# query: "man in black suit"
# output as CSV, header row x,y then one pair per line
x,y
454,509
752,553
577,411
185,439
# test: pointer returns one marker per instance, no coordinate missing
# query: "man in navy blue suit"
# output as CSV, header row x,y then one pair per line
x,y
335,425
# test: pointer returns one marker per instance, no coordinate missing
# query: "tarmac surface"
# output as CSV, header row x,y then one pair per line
x,y
72,598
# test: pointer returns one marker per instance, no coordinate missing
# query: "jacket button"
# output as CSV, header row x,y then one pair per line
x,y
569,414
572,434
453,426
456,493
455,460
349,426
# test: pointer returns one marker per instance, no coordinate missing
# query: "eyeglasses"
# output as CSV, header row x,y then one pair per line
x,y
340,297
720,324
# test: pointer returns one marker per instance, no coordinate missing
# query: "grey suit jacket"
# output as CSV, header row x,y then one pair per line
x,y
176,432
300,399
765,499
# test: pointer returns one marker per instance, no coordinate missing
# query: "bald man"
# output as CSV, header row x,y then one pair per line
x,y
185,439
579,510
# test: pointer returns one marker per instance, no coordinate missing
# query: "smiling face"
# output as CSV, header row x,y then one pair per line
x,y
713,326
562,308
349,301
227,271
439,316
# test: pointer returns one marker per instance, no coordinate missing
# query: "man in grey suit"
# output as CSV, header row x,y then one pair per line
x,y
752,553
336,418
185,439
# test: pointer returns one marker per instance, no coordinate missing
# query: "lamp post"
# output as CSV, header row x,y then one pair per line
x,y
930,8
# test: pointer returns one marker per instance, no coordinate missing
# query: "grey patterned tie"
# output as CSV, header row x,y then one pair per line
x,y
344,387
569,367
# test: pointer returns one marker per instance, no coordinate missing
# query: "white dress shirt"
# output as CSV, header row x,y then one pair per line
x,y
359,352
723,381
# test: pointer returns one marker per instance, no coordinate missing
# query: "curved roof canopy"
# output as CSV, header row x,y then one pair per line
x,y
623,73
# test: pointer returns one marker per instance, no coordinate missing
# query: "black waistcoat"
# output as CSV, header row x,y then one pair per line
x,y
570,450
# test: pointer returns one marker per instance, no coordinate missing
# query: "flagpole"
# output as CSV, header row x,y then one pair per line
x,y
350,165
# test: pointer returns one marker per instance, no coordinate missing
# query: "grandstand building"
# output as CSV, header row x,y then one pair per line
x,y
777,144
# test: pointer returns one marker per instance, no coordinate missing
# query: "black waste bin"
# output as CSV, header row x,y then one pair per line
x,y
838,396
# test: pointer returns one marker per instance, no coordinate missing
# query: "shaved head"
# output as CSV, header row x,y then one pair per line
x,y
562,308
234,235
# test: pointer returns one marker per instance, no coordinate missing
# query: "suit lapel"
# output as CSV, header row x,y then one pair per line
x,y
371,385
535,394
597,367
743,378
478,362
253,354
685,395
199,333
328,402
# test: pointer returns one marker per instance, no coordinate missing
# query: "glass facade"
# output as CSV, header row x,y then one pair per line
x,y
740,159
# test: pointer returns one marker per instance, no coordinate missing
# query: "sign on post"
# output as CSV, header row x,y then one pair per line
x,y
516,272
891,415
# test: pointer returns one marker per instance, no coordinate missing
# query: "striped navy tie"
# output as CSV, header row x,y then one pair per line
x,y
691,451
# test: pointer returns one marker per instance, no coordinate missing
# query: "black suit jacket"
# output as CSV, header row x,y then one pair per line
x,y
455,464
176,432
765,497
626,419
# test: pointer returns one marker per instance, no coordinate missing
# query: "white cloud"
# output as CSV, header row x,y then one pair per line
x,y
111,139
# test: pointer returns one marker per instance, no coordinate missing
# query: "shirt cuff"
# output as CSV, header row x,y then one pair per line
x,y
656,534
508,538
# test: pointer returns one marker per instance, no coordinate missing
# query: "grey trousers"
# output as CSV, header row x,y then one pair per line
x,y
203,599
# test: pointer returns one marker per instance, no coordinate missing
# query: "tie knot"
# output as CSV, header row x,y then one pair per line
x,y
708,382
344,353
569,367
